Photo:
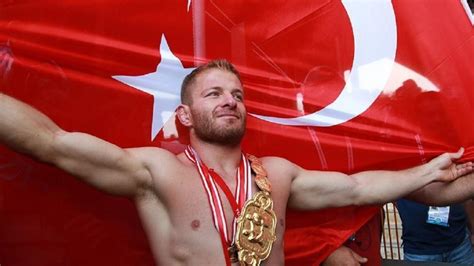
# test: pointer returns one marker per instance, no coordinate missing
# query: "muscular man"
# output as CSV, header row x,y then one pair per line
x,y
175,195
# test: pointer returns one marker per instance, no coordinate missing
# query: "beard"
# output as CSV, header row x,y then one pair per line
x,y
229,134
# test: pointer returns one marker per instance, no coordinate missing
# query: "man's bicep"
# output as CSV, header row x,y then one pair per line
x,y
99,163
312,190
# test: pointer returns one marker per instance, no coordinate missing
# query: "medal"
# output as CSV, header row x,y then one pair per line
x,y
261,179
257,166
243,191
233,255
256,225
263,183
256,228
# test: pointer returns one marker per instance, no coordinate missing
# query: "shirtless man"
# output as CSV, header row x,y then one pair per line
x,y
168,190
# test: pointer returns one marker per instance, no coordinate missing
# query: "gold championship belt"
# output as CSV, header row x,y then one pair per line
x,y
256,224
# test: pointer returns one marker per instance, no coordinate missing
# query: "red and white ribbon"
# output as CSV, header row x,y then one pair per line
x,y
243,191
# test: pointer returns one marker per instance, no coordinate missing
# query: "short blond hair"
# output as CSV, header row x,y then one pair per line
x,y
221,64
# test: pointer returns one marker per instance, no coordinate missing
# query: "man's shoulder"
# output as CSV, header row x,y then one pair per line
x,y
152,156
163,164
147,152
278,166
275,161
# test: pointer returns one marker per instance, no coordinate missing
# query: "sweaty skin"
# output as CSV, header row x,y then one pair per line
x,y
167,189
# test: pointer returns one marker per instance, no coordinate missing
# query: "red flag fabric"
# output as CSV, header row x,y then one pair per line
x,y
345,86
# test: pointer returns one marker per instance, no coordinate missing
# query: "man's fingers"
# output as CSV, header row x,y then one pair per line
x,y
458,154
468,165
464,168
359,258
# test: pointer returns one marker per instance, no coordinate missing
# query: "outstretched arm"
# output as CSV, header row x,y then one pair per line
x,y
316,190
95,161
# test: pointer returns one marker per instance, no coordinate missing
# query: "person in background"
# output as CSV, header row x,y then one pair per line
x,y
435,233
362,248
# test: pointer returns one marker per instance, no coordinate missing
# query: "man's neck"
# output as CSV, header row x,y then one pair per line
x,y
223,159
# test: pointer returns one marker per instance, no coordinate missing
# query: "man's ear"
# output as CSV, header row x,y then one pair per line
x,y
184,115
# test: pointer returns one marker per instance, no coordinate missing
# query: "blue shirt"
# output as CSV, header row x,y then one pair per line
x,y
422,238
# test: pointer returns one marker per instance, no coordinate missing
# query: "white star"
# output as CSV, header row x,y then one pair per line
x,y
164,84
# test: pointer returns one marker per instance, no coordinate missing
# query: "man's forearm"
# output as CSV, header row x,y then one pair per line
x,y
440,193
24,129
378,187
389,186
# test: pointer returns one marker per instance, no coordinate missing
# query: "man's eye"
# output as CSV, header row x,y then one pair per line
x,y
212,93
239,97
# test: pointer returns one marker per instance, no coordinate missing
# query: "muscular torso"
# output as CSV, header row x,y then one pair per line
x,y
177,217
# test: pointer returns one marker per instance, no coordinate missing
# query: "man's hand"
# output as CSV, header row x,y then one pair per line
x,y
446,169
344,256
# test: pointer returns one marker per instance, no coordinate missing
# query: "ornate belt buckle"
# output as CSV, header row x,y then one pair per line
x,y
256,227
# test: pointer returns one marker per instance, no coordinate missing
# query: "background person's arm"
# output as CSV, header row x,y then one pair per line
x,y
344,256
442,194
469,208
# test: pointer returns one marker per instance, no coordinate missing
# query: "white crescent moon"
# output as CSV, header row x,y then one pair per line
x,y
375,43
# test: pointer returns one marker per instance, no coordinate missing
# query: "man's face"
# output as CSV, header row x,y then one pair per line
x,y
217,110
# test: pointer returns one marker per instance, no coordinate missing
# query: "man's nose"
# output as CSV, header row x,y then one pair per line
x,y
229,100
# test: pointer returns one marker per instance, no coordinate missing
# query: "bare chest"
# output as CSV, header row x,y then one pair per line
x,y
193,233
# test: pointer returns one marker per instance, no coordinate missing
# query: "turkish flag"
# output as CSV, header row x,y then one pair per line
x,y
344,86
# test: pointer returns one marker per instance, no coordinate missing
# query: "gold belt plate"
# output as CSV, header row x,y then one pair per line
x,y
256,229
